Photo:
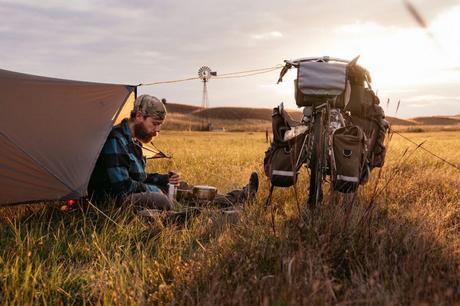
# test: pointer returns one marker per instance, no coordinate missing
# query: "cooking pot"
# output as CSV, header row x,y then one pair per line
x,y
204,192
184,194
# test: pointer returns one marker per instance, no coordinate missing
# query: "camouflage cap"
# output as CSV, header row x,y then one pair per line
x,y
150,106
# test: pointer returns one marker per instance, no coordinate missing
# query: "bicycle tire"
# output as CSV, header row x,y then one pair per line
x,y
317,161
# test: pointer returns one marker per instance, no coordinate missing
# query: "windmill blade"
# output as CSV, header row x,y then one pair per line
x,y
388,103
397,107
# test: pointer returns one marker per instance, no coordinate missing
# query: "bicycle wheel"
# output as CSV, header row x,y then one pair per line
x,y
317,161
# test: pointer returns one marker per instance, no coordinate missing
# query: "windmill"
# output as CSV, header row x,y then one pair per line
x,y
205,73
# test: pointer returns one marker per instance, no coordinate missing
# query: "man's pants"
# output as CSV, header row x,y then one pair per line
x,y
144,200
159,200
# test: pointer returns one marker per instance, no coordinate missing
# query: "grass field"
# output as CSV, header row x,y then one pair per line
x,y
399,243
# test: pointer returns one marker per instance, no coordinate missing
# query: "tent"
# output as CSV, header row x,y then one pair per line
x,y
51,133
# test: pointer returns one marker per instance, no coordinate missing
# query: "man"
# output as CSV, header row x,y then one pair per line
x,y
120,169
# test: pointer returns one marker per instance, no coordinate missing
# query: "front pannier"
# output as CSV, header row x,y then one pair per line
x,y
318,82
349,147
280,162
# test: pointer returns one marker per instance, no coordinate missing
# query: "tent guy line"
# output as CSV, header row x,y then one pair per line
x,y
246,75
253,70
229,75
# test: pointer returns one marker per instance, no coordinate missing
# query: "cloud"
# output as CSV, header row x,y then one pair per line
x,y
367,28
153,40
267,35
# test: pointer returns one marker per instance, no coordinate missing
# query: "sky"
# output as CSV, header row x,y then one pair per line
x,y
142,41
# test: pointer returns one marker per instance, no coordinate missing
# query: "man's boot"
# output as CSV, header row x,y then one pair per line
x,y
253,186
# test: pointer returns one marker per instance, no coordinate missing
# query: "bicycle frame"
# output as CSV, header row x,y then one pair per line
x,y
316,149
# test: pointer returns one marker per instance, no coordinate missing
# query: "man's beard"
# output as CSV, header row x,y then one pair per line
x,y
141,134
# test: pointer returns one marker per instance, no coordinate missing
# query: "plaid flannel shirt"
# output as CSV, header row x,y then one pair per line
x,y
120,168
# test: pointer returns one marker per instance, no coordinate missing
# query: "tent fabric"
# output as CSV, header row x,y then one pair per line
x,y
51,133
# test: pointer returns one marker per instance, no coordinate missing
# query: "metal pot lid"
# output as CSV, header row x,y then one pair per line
x,y
204,188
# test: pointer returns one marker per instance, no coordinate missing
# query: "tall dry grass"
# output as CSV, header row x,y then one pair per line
x,y
399,247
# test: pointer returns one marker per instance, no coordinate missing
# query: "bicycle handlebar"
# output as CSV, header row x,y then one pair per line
x,y
295,63
311,59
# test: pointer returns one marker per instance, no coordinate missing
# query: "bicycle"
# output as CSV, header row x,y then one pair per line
x,y
322,118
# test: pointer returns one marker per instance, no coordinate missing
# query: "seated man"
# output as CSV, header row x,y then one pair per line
x,y
120,169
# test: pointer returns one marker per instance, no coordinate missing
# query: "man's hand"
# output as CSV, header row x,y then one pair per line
x,y
174,178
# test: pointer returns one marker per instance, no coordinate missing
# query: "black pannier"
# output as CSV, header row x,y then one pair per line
x,y
375,127
281,158
349,147
361,99
279,165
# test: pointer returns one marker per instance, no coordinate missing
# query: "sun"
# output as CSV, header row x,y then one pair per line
x,y
401,57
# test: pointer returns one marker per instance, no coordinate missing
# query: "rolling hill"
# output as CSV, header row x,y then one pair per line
x,y
190,117
437,120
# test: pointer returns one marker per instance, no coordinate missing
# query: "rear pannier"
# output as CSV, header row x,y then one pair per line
x,y
349,147
375,127
361,99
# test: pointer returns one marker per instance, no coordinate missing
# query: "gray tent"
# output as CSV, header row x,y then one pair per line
x,y
51,133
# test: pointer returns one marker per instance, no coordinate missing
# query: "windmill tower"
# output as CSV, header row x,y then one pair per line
x,y
205,74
